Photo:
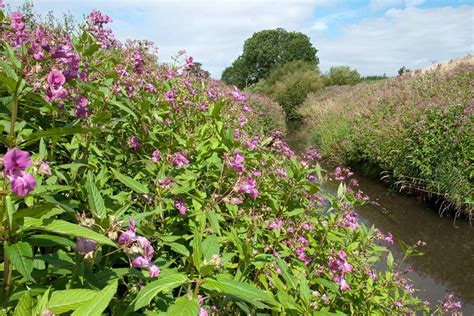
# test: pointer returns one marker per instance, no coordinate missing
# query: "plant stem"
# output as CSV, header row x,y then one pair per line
x,y
14,118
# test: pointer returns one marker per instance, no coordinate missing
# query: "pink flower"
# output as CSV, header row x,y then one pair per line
x,y
203,312
154,271
81,109
237,163
181,206
23,184
56,79
15,163
180,159
17,21
250,187
133,142
16,160
129,235
44,169
156,156
85,246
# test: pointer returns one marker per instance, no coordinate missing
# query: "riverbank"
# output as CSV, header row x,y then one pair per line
x,y
445,265
416,130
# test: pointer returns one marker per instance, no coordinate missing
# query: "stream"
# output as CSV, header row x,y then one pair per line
x,y
448,260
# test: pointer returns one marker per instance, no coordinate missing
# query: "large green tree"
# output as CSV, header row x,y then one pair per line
x,y
265,51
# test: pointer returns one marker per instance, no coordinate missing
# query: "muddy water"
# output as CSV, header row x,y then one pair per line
x,y
448,260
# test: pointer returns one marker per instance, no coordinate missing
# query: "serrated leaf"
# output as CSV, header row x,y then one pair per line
x,y
210,247
68,300
25,305
166,283
131,183
184,306
70,229
96,202
21,256
99,303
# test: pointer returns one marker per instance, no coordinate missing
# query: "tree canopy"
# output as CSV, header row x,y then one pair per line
x,y
266,50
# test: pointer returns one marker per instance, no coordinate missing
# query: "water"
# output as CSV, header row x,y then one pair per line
x,y
448,260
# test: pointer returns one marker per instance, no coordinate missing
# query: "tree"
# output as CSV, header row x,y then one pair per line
x,y
342,75
236,74
266,50
290,84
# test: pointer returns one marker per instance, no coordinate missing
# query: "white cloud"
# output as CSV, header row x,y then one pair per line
x,y
412,37
377,5
319,26
213,31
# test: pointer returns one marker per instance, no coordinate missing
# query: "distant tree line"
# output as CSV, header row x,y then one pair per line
x,y
284,66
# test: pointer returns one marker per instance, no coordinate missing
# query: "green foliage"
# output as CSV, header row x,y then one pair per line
x,y
290,84
341,75
418,129
265,51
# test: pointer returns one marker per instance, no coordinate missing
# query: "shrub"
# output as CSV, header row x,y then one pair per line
x,y
342,75
133,187
290,84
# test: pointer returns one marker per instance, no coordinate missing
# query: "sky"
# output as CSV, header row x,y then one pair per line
x,y
373,36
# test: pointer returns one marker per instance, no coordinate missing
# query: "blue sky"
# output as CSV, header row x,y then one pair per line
x,y
372,36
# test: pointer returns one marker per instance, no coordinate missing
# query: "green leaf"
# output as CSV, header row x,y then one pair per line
x,y
243,291
96,202
63,131
10,210
68,300
179,248
166,283
184,306
390,260
131,183
21,256
42,303
124,108
197,250
12,57
210,247
25,306
99,303
213,221
290,280
70,229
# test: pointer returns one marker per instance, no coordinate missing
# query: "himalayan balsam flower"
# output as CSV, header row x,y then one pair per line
x,y
250,187
141,247
156,156
85,246
237,163
15,163
181,206
180,159
81,110
133,142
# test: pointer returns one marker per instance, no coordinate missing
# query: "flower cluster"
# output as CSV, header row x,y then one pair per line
x,y
15,162
339,267
139,248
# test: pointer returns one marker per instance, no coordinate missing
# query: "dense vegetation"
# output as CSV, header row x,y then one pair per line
x,y
265,51
289,85
131,187
416,127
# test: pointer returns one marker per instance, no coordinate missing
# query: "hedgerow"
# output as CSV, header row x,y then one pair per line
x,y
133,187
